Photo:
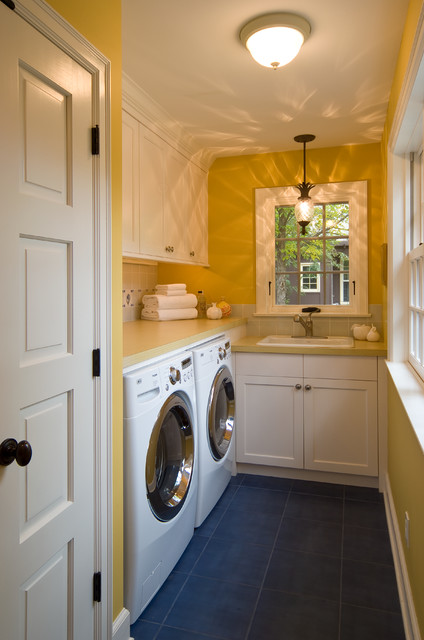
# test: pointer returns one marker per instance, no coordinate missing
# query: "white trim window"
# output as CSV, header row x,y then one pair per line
x,y
334,251
310,278
415,259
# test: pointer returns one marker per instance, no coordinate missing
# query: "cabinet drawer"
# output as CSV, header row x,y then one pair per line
x,y
269,364
340,367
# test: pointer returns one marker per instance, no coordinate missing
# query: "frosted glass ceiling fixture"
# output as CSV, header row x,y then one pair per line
x,y
304,209
275,39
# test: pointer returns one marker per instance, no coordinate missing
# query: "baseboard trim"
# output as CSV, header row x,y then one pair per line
x,y
121,626
410,622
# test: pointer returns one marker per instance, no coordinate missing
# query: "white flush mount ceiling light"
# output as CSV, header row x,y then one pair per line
x,y
275,39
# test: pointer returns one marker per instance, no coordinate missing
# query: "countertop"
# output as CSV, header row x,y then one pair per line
x,y
144,339
360,348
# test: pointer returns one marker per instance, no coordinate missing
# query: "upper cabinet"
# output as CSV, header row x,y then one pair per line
x,y
164,199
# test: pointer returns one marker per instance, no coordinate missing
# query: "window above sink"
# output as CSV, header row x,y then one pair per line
x,y
327,267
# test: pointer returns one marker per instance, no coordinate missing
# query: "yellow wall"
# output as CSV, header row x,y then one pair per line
x,y
406,472
406,459
99,21
232,182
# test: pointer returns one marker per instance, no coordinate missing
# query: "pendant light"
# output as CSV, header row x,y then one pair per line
x,y
304,209
274,39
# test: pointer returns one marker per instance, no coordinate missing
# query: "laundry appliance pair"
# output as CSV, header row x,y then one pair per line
x,y
178,459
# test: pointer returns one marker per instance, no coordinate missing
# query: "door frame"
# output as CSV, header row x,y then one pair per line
x,y
49,23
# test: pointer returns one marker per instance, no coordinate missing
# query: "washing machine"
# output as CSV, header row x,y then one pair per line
x,y
215,421
160,469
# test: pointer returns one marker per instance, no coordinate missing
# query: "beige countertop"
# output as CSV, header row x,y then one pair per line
x,y
361,348
144,339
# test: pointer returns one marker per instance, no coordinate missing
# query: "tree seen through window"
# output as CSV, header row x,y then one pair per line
x,y
312,269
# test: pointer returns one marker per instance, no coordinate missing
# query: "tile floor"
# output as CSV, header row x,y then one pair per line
x,y
282,559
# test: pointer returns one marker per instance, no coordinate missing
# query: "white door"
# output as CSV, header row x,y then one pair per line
x,y
47,329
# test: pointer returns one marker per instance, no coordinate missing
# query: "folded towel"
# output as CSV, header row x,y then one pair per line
x,y
170,287
168,314
186,301
173,293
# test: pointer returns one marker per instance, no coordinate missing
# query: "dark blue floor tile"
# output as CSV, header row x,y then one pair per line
x,y
368,545
311,507
209,525
191,554
259,500
365,494
227,496
310,536
249,526
144,630
284,616
214,608
370,585
234,561
371,515
304,574
237,480
171,633
158,608
318,488
268,482
359,623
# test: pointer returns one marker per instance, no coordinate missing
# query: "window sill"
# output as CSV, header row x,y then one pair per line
x,y
411,392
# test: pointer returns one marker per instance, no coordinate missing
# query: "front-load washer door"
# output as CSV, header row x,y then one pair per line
x,y
170,459
221,408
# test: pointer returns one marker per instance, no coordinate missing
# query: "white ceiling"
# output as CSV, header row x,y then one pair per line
x,y
186,54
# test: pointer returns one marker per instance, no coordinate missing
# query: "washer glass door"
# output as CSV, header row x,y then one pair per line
x,y
221,410
170,458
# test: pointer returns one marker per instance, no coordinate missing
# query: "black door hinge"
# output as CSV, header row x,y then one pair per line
x,y
9,4
97,587
96,363
95,140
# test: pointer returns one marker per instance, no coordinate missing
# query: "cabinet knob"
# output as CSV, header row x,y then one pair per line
x,y
308,387
169,249
298,386
192,254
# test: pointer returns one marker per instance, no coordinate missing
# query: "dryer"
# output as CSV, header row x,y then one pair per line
x,y
160,469
215,422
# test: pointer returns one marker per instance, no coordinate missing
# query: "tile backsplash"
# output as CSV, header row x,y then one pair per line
x,y
137,281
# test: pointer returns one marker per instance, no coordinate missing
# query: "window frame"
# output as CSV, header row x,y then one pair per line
x,y
266,199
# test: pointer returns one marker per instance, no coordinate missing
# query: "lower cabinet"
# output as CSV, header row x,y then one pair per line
x,y
310,412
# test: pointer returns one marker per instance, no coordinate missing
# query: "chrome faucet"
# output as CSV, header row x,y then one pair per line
x,y
307,322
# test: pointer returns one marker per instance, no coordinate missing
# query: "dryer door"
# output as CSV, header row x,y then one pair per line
x,y
170,458
221,410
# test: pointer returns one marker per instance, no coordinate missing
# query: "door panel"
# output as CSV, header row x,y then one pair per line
x,y
269,421
47,281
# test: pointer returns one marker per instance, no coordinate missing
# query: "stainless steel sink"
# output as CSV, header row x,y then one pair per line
x,y
307,341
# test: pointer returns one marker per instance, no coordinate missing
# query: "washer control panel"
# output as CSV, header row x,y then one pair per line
x,y
178,373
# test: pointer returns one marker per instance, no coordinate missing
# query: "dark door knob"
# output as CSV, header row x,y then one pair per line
x,y
11,450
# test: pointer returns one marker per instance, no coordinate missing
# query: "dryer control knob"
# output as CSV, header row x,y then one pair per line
x,y
222,353
174,375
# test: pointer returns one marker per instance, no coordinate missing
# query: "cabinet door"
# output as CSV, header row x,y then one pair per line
x,y
269,421
197,230
152,153
130,185
340,426
175,205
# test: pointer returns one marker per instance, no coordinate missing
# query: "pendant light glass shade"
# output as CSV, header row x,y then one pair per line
x,y
275,39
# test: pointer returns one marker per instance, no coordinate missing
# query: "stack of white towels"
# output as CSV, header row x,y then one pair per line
x,y
170,302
